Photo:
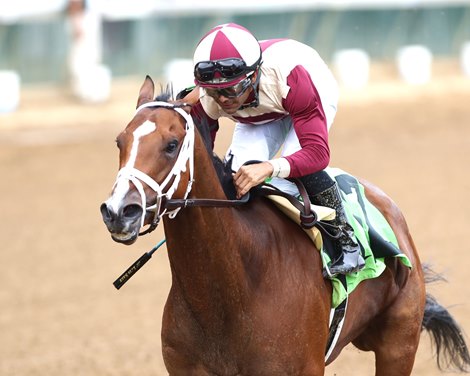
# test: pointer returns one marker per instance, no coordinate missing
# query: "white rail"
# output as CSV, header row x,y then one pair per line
x,y
12,11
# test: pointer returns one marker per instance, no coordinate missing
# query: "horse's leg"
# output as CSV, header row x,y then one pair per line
x,y
394,335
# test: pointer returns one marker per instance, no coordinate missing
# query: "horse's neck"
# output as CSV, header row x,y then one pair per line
x,y
207,183
200,241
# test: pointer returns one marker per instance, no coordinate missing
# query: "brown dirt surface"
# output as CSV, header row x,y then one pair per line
x,y
60,314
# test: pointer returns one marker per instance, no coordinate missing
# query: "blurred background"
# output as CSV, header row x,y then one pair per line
x,y
70,72
50,41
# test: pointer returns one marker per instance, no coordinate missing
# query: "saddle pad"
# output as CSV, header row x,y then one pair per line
x,y
291,211
362,216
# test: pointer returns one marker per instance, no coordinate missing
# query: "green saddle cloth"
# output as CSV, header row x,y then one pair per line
x,y
370,227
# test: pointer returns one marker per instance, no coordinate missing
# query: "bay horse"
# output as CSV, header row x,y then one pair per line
x,y
248,296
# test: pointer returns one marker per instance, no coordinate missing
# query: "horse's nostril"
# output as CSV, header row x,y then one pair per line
x,y
132,211
105,213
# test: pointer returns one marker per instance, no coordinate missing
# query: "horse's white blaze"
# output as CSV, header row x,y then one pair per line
x,y
143,130
119,192
122,185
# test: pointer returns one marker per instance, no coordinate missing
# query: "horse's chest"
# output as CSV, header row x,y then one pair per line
x,y
242,353
189,360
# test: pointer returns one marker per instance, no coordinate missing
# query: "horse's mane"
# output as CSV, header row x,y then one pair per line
x,y
223,170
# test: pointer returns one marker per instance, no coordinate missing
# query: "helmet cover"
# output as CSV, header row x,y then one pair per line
x,y
224,42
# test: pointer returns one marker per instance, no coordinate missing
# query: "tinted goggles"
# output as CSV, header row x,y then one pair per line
x,y
234,91
205,71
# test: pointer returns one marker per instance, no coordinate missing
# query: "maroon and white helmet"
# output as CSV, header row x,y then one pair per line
x,y
225,56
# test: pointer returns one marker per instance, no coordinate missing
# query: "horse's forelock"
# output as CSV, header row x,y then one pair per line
x,y
166,93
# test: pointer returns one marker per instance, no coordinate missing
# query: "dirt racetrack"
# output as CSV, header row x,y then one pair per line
x,y
60,314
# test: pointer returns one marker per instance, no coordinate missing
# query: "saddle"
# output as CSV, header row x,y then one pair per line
x,y
374,234
323,213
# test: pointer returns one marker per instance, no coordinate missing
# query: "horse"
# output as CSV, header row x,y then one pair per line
x,y
248,296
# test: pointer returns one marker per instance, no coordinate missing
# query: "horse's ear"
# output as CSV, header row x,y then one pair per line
x,y
146,92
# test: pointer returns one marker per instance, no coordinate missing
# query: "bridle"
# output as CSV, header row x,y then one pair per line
x,y
184,160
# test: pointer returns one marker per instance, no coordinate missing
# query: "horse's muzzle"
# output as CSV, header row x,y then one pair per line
x,y
124,225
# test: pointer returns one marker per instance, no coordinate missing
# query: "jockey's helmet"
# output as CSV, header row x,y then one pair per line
x,y
226,55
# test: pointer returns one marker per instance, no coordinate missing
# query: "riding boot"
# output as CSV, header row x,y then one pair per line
x,y
348,256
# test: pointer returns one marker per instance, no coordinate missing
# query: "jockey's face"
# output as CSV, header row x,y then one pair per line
x,y
231,105
229,99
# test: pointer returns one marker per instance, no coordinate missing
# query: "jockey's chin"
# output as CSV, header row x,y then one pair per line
x,y
230,108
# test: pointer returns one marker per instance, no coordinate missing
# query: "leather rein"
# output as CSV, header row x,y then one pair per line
x,y
165,205
308,217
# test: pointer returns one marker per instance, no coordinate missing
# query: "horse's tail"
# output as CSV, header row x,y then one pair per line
x,y
446,335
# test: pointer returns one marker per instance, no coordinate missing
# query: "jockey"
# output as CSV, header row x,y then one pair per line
x,y
283,99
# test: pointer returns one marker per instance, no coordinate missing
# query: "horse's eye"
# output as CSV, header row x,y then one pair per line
x,y
171,147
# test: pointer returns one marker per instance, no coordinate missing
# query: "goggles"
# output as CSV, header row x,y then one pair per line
x,y
229,69
230,92
205,71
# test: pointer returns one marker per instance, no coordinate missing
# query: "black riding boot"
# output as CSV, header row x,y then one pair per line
x,y
348,256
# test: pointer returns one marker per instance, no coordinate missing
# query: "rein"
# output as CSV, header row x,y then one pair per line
x,y
177,203
308,217
166,205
